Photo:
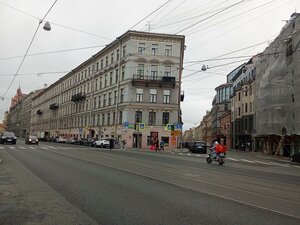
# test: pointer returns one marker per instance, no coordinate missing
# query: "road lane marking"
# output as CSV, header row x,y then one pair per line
x,y
296,166
12,147
172,153
1,147
233,159
31,147
261,162
242,202
22,147
189,154
180,153
198,155
248,161
278,164
44,147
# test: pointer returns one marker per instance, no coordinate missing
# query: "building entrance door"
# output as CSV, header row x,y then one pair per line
x,y
137,141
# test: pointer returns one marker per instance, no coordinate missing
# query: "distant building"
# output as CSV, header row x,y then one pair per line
x,y
18,97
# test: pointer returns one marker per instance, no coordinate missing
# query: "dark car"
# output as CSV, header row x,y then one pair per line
x,y
198,147
295,157
8,137
32,139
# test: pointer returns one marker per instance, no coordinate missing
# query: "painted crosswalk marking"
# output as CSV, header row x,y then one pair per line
x,y
32,147
12,147
189,154
233,159
296,166
44,147
248,161
261,162
279,164
1,147
22,147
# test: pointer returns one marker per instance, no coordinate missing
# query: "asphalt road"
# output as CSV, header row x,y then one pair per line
x,y
65,184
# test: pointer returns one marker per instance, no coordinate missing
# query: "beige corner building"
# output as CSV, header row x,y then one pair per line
x,y
131,89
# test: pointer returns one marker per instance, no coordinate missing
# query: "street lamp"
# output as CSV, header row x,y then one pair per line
x,y
47,26
204,68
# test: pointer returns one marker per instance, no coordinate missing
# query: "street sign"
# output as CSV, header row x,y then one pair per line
x,y
178,126
176,133
170,127
126,124
141,126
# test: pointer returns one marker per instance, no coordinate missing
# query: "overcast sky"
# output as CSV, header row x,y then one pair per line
x,y
212,28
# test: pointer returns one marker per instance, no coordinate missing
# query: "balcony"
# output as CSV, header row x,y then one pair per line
x,y
151,81
54,106
39,112
78,97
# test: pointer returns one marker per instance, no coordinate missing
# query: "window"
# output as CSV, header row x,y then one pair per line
x,y
98,120
250,90
109,98
152,118
118,55
115,98
95,102
96,84
154,72
120,117
99,101
124,51
168,50
105,80
106,61
103,119
167,94
246,107
117,75
97,66
167,71
250,106
138,116
140,71
108,119
154,49
110,78
123,73
122,95
104,100
141,48
165,118
153,95
239,111
101,64
239,96
112,58
139,95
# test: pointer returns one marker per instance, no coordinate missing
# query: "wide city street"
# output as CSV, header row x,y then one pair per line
x,y
65,184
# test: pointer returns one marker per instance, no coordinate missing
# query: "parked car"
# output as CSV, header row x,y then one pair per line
x,y
61,140
198,147
90,142
102,143
71,141
295,157
8,137
31,139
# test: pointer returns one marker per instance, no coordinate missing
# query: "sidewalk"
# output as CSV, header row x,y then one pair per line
x,y
166,150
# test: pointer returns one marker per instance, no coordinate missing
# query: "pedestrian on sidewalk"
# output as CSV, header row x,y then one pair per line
x,y
162,145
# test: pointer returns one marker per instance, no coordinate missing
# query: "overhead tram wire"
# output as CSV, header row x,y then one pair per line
x,y
150,14
206,18
23,59
60,25
53,52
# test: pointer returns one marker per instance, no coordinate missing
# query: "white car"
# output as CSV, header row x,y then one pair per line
x,y
61,140
102,143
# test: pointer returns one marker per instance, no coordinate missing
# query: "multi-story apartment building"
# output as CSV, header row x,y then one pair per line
x,y
221,105
243,105
130,90
19,116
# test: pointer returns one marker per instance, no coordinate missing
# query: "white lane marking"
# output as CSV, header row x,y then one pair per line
x,y
189,154
172,153
1,147
22,147
44,147
296,166
233,159
31,147
12,147
48,146
278,164
261,162
0,160
248,161
180,153
198,155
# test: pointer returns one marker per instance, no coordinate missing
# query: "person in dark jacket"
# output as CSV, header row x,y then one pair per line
x,y
111,143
